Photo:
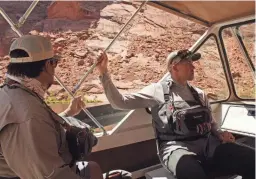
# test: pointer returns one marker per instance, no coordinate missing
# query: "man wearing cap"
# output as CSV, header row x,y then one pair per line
x,y
32,142
191,144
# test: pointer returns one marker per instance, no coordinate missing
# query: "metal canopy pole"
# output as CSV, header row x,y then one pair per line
x,y
10,22
84,109
111,43
27,13
16,29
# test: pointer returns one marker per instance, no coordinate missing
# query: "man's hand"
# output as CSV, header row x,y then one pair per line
x,y
75,106
102,63
226,136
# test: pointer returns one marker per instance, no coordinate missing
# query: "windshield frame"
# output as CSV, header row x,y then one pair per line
x,y
249,62
212,34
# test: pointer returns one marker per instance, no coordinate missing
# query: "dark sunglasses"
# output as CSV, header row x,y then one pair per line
x,y
54,61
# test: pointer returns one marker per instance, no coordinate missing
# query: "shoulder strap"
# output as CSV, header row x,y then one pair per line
x,y
60,120
166,89
195,94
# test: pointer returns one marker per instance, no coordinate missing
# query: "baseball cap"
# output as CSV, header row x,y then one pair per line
x,y
180,55
37,47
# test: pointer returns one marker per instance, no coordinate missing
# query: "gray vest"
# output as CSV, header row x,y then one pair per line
x,y
180,120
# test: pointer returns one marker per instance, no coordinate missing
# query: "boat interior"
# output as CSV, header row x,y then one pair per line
x,y
129,142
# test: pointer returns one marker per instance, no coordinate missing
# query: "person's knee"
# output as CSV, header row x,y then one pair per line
x,y
189,167
95,170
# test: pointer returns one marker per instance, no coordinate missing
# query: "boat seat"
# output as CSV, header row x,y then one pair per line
x,y
159,173
162,173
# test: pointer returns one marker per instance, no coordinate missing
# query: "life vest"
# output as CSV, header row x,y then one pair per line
x,y
186,120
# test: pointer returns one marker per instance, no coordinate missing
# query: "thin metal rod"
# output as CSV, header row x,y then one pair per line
x,y
111,43
27,13
84,109
10,22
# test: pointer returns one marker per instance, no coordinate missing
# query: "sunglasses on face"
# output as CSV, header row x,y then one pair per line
x,y
53,62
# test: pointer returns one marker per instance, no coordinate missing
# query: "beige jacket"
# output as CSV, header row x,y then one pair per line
x,y
32,143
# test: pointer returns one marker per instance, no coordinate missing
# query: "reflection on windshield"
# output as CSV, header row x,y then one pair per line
x,y
209,73
242,74
247,33
105,114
